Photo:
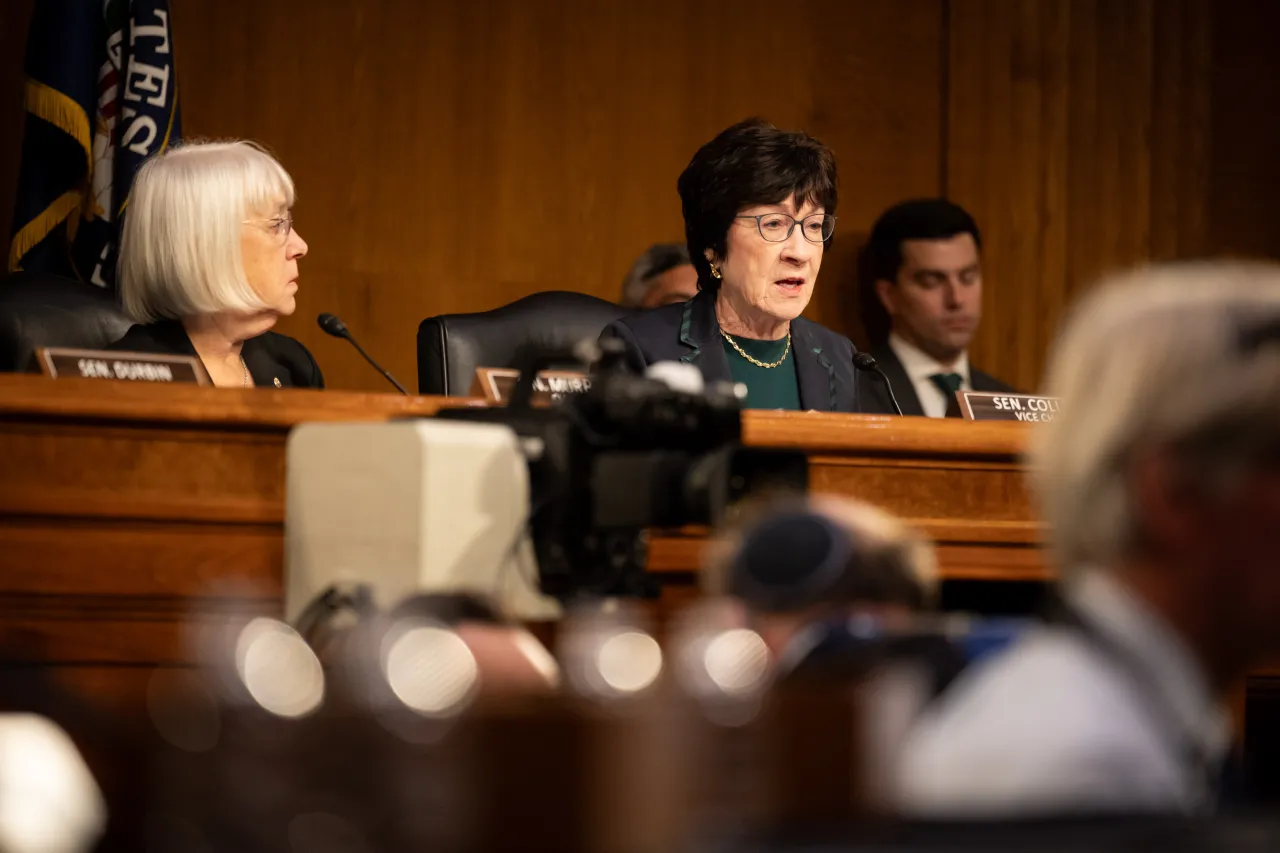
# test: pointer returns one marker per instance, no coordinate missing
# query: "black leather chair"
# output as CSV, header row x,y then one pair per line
x,y
452,346
42,310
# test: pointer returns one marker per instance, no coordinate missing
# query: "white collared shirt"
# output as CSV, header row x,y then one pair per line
x,y
919,366
1055,725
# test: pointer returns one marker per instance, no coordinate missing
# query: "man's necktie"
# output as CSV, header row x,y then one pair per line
x,y
949,384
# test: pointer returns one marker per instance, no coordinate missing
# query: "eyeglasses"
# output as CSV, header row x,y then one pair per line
x,y
277,226
777,227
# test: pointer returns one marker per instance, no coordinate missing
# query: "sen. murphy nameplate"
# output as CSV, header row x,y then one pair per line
x,y
986,406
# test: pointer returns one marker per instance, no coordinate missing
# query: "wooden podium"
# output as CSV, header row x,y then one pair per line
x,y
126,509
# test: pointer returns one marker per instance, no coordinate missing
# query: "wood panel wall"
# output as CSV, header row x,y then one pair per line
x,y
453,157
1078,134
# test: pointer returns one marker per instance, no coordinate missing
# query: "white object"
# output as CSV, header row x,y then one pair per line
x,y
49,802
684,378
415,506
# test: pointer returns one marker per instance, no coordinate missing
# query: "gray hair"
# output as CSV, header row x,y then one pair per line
x,y
180,243
881,537
656,260
1156,357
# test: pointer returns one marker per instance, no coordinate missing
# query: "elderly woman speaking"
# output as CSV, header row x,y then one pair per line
x,y
209,262
759,210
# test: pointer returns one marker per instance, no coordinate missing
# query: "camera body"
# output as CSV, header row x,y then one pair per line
x,y
531,506
629,454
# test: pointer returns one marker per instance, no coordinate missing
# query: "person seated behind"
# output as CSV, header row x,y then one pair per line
x,y
661,276
921,303
834,587
759,210
209,262
1161,495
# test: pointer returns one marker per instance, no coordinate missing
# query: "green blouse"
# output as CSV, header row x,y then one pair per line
x,y
767,387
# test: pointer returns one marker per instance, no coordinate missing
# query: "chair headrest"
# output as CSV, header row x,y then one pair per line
x,y
452,346
39,309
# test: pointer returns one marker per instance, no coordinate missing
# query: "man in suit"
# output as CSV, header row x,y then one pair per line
x,y
922,301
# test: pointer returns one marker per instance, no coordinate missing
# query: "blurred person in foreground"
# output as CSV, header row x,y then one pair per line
x,y
759,209
209,262
661,276
1160,484
833,586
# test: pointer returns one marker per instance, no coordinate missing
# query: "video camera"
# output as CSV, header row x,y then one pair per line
x,y
628,454
449,503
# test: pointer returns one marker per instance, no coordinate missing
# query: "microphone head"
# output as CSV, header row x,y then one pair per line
x,y
332,325
864,361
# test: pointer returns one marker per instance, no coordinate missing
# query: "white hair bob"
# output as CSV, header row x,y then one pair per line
x,y
180,243
1153,359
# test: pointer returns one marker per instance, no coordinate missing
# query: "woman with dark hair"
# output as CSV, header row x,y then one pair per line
x,y
759,211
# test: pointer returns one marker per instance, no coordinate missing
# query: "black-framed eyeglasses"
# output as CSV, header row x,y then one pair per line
x,y
777,227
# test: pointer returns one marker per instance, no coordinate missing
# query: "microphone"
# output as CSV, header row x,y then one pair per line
x,y
866,362
338,329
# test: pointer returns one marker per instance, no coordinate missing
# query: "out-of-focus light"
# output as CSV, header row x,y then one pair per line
x,y
279,669
430,669
49,802
737,661
629,661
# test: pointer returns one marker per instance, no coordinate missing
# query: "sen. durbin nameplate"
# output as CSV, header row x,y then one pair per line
x,y
986,406
64,363
495,385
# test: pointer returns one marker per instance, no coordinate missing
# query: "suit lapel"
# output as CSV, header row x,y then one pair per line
x,y
903,388
263,368
700,331
814,371
172,335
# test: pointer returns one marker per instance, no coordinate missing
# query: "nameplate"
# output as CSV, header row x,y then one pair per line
x,y
64,363
495,385
986,406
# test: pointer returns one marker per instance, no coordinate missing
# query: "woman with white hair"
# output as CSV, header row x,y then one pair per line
x,y
209,262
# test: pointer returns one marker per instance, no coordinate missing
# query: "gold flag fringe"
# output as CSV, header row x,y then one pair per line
x,y
62,112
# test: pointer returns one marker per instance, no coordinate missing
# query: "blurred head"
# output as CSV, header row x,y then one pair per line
x,y
209,231
923,277
793,562
661,276
759,209
1166,448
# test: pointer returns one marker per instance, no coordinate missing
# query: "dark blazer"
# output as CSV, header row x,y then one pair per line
x,y
273,360
689,332
905,391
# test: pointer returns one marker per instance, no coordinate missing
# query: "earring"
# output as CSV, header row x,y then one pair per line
x,y
715,273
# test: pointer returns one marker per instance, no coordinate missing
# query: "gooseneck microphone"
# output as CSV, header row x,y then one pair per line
x,y
866,362
338,329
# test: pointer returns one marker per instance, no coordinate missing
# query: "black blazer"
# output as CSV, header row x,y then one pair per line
x,y
689,332
274,360
905,390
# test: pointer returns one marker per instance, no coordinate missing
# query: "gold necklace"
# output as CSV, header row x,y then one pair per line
x,y
757,362
244,364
